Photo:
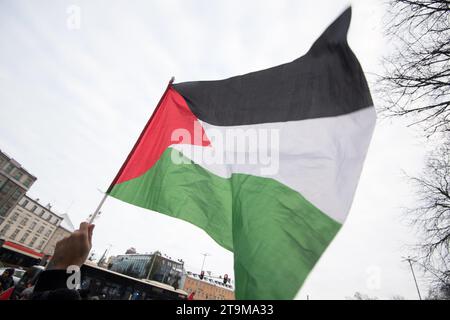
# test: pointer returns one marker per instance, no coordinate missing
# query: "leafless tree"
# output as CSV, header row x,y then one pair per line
x,y
416,81
431,216
416,85
441,291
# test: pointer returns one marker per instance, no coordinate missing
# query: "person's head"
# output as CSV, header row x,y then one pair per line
x,y
8,272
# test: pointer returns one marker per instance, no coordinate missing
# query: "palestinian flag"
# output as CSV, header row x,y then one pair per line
x,y
266,163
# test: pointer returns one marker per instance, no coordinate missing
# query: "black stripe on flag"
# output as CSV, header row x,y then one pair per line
x,y
327,81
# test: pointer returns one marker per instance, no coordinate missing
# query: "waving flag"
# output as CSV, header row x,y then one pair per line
x,y
266,163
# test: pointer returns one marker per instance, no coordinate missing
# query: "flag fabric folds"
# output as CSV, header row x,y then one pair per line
x,y
278,193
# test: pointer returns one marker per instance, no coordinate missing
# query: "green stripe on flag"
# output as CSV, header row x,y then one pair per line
x,y
276,235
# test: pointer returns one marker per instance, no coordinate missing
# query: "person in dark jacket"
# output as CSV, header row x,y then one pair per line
x,y
53,283
6,279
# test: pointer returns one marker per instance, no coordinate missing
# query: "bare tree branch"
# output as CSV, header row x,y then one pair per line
x,y
416,80
431,216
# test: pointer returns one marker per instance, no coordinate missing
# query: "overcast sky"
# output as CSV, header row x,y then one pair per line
x,y
74,97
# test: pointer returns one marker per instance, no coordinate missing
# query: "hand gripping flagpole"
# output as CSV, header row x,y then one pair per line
x,y
92,217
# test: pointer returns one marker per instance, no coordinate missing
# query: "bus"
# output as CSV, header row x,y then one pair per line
x,y
104,284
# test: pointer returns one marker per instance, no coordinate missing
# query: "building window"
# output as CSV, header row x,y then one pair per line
x,y
16,195
48,233
24,237
6,188
24,221
33,225
9,168
34,208
24,203
18,175
27,182
4,209
41,245
40,229
32,241
14,216
5,229
14,234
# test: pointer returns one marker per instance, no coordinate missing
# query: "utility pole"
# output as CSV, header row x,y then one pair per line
x,y
414,276
204,258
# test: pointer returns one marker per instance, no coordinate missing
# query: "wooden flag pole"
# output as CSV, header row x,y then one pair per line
x,y
92,217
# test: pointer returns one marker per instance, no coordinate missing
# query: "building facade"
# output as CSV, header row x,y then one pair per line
x,y
14,183
64,230
207,288
154,266
30,224
59,234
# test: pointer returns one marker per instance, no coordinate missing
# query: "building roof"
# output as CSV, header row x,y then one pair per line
x,y
134,255
17,164
36,201
164,256
210,280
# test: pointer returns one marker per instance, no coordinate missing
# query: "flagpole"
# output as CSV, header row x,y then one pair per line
x,y
97,211
92,217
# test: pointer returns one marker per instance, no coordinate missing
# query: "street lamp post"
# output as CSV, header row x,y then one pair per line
x,y
414,276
